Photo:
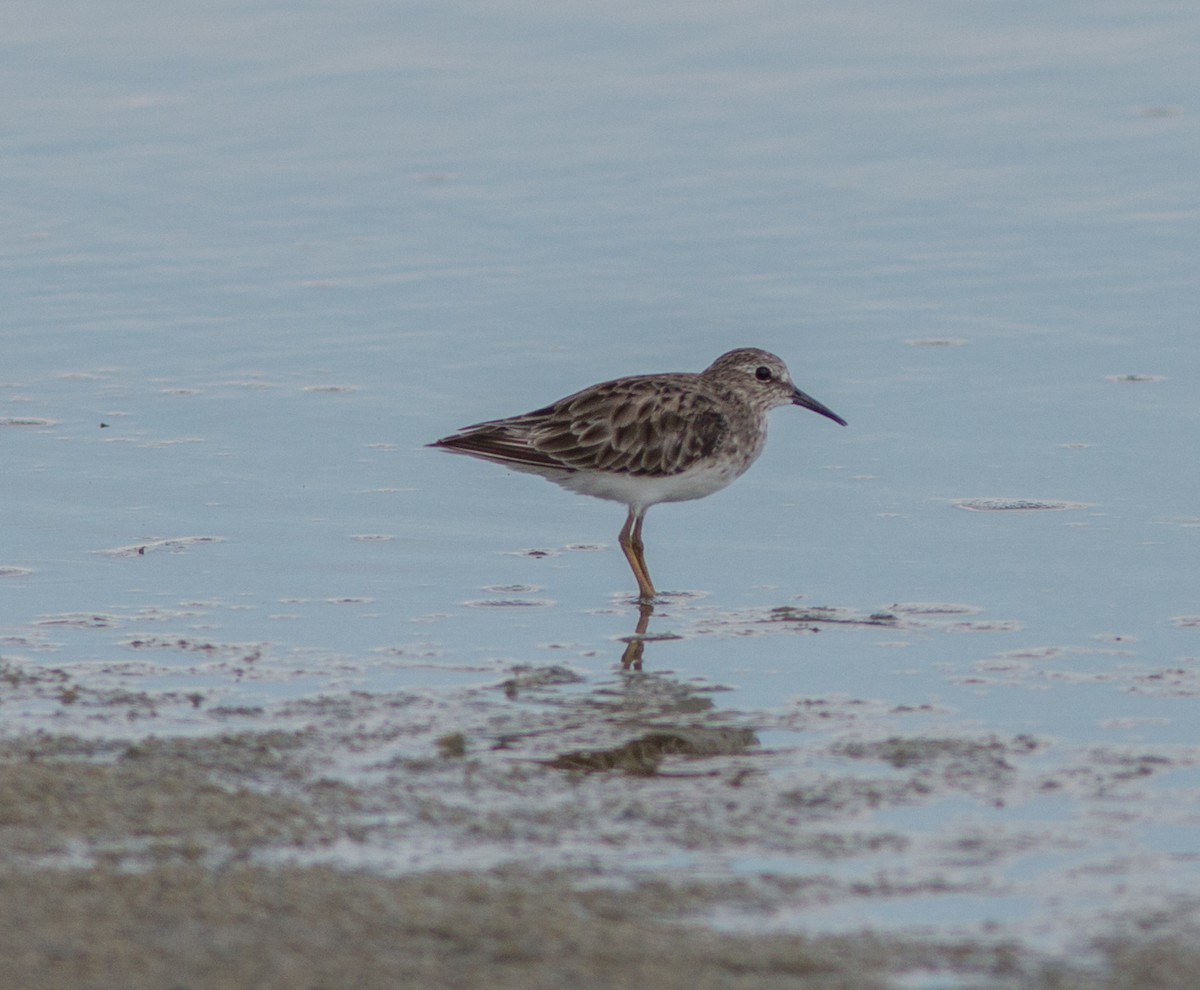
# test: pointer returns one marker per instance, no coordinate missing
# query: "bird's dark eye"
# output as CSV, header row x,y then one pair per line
x,y
763,374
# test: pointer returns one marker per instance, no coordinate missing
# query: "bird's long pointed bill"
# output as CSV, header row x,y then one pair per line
x,y
808,402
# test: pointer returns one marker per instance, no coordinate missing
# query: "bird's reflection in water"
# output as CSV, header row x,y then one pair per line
x,y
635,645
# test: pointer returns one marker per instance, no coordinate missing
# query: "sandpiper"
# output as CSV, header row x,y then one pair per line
x,y
646,439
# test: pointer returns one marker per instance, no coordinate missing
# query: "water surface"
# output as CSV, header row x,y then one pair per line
x,y
256,259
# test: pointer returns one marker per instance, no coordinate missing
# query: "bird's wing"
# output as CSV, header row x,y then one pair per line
x,y
505,441
648,426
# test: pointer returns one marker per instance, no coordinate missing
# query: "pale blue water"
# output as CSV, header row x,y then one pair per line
x,y
278,249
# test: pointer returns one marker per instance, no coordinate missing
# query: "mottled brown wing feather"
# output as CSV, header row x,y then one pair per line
x,y
646,427
503,441
633,426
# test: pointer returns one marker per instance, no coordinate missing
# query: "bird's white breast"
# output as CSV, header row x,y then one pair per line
x,y
643,491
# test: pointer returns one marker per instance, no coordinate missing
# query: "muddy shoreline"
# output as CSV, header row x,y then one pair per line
x,y
291,856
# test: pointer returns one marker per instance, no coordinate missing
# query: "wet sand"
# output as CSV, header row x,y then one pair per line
x,y
230,861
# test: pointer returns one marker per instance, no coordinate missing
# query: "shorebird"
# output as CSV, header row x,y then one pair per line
x,y
646,439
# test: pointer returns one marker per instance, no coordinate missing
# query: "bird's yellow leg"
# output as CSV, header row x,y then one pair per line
x,y
631,545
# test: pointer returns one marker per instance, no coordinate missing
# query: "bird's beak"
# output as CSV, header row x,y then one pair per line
x,y
808,402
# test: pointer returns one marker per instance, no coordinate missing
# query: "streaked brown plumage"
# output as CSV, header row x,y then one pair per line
x,y
646,439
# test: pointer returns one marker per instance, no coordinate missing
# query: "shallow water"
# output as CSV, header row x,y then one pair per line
x,y
255,261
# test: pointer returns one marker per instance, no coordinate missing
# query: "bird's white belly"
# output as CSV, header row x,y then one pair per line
x,y
643,491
